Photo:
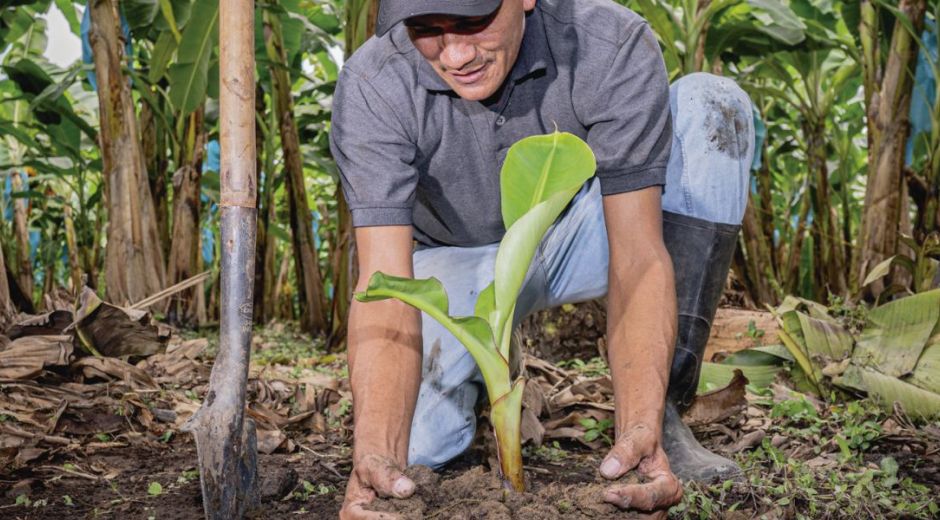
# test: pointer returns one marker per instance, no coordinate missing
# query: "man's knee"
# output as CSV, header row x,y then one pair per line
x,y
713,122
718,107
444,429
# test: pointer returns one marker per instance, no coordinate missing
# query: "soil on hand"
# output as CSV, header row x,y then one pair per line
x,y
480,494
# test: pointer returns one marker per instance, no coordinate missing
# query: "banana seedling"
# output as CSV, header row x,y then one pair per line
x,y
540,176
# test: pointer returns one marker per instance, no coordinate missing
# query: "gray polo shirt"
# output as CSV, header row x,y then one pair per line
x,y
411,152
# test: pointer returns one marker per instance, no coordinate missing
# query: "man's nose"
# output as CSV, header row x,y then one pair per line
x,y
458,52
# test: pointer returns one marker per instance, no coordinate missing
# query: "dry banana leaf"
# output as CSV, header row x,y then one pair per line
x,y
24,358
113,331
718,405
49,324
113,368
897,332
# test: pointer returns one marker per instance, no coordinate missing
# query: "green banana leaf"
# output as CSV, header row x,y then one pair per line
x,y
138,13
67,7
514,258
887,390
926,374
718,375
761,356
540,176
897,333
428,295
539,167
791,334
189,75
825,338
163,51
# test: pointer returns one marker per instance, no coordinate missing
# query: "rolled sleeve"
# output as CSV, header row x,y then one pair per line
x,y
631,130
374,154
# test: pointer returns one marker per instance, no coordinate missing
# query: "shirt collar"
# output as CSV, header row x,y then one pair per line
x,y
534,54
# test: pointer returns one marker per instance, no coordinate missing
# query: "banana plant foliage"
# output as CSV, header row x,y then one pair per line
x,y
540,176
894,359
189,76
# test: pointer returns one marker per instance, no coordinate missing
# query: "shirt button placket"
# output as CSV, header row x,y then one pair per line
x,y
501,120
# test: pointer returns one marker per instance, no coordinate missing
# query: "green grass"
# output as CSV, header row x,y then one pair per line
x,y
860,479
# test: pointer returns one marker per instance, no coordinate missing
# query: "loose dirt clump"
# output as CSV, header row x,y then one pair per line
x,y
479,494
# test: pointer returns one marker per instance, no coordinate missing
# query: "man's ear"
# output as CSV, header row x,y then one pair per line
x,y
528,5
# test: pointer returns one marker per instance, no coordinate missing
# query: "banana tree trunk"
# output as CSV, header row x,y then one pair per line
x,y
269,275
225,438
829,276
795,251
24,266
760,265
184,246
888,108
360,25
6,304
71,241
262,238
152,137
313,315
134,265
345,272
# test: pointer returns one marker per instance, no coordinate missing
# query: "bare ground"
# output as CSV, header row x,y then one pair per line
x,y
105,443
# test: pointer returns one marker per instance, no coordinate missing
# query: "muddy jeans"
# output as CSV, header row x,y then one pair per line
x,y
707,178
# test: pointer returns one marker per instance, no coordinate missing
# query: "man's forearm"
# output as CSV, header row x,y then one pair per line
x,y
385,374
641,333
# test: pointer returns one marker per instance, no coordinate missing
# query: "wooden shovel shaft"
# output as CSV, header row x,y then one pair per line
x,y
237,102
225,438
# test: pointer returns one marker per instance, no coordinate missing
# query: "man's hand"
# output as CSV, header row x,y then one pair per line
x,y
384,373
639,448
641,330
373,476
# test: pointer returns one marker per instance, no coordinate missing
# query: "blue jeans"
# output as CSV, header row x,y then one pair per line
x,y
707,178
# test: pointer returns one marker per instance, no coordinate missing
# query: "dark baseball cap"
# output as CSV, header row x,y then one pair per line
x,y
393,11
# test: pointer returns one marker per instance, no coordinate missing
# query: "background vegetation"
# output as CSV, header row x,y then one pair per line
x,y
117,187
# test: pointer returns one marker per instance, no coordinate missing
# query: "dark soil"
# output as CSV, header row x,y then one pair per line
x,y
480,494
114,483
567,332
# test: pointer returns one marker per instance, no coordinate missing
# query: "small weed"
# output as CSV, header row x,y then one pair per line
x,y
753,332
338,411
187,476
307,489
854,316
23,500
550,453
593,367
68,500
595,429
155,489
103,437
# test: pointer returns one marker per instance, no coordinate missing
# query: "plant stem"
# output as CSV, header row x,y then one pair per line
x,y
506,418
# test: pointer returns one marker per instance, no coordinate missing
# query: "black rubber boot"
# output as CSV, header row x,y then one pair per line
x,y
701,256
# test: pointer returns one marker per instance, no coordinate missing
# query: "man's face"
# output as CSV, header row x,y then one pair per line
x,y
472,54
